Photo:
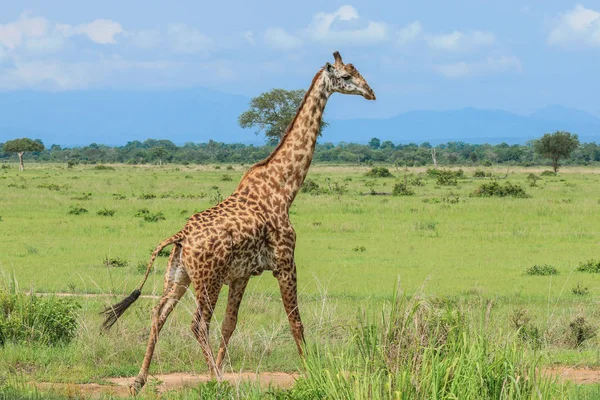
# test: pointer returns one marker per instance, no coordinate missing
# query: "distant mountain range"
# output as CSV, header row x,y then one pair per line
x,y
198,115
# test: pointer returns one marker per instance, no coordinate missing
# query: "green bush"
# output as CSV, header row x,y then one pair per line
x,y
115,262
311,187
481,174
592,266
29,319
580,290
548,173
402,189
527,331
146,196
542,270
119,196
105,212
494,189
101,167
226,178
75,210
379,172
154,217
446,177
579,331
84,196
532,179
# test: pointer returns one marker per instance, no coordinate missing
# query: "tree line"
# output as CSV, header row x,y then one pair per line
x,y
153,151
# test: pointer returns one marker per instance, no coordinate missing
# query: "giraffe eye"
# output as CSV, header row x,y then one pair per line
x,y
347,78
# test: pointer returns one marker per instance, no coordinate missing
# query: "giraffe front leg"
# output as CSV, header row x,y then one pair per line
x,y
286,277
236,292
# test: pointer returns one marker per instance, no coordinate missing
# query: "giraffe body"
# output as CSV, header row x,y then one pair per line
x,y
248,233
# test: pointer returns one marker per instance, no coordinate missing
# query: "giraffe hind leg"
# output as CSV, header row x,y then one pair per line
x,y
176,284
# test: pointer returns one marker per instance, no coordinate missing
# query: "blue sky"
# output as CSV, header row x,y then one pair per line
x,y
426,55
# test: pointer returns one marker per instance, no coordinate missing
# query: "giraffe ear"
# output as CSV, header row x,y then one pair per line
x,y
328,67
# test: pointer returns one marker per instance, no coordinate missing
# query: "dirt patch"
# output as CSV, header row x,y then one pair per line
x,y
161,383
575,375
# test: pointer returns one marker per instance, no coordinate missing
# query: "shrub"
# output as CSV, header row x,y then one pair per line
x,y
83,197
532,179
451,198
542,270
548,173
141,212
580,290
101,167
494,189
487,163
416,181
119,196
75,210
47,320
146,196
142,266
336,188
481,174
226,178
402,189
230,168
105,212
50,186
154,217
115,262
579,331
592,266
311,187
446,177
426,226
527,331
217,167
5,166
72,163
379,172
165,252
359,249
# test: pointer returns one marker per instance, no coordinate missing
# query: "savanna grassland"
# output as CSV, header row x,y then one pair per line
x,y
90,230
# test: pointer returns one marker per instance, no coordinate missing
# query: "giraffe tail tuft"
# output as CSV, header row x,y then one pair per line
x,y
114,312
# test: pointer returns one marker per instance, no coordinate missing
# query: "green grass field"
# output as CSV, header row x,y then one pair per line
x,y
353,249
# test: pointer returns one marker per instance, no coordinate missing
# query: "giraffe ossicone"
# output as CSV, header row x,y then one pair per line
x,y
247,233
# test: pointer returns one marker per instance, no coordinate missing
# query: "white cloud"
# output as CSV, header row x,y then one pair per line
x,y
279,39
578,26
13,34
248,36
188,40
461,41
101,31
410,33
144,39
322,28
489,65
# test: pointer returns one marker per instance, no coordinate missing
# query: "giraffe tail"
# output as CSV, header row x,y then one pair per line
x,y
113,312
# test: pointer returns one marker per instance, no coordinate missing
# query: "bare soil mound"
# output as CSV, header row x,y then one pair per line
x,y
574,374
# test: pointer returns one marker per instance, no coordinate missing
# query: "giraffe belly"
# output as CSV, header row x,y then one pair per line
x,y
249,263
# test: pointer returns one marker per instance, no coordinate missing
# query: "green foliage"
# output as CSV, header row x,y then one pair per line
x,y
105,212
548,173
446,177
119,196
494,189
542,270
272,112
527,331
50,186
22,145
311,187
374,143
146,196
402,189
556,146
532,179
580,290
592,266
379,172
150,216
115,262
226,178
359,249
101,167
84,196
580,330
481,174
29,319
76,210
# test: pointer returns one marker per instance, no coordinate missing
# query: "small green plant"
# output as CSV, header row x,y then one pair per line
x,y
146,196
481,174
141,212
119,196
216,197
494,189
311,187
217,167
101,167
527,331
542,270
166,252
154,217
548,173
591,266
579,331
402,189
532,179
446,177
142,266
72,163
105,212
451,198
226,178
84,197
115,262
336,188
580,290
359,249
379,172
230,168
5,166
50,186
75,210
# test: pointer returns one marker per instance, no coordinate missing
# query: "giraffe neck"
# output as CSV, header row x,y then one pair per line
x,y
279,177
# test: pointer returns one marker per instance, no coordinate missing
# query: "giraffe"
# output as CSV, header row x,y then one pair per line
x,y
247,233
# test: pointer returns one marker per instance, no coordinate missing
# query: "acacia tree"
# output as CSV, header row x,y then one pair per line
x,y
272,112
20,146
555,146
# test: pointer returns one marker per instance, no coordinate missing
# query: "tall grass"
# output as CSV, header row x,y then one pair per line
x,y
420,350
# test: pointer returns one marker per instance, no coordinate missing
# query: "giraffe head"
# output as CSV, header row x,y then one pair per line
x,y
346,79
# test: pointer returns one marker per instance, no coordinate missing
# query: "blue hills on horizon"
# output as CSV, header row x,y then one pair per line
x,y
198,115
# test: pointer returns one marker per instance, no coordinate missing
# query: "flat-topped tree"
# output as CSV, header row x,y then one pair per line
x,y
20,146
247,233
555,146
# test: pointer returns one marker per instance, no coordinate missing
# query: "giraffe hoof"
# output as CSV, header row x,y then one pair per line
x,y
137,385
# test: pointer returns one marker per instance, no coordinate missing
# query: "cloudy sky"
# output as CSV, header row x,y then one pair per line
x,y
512,55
